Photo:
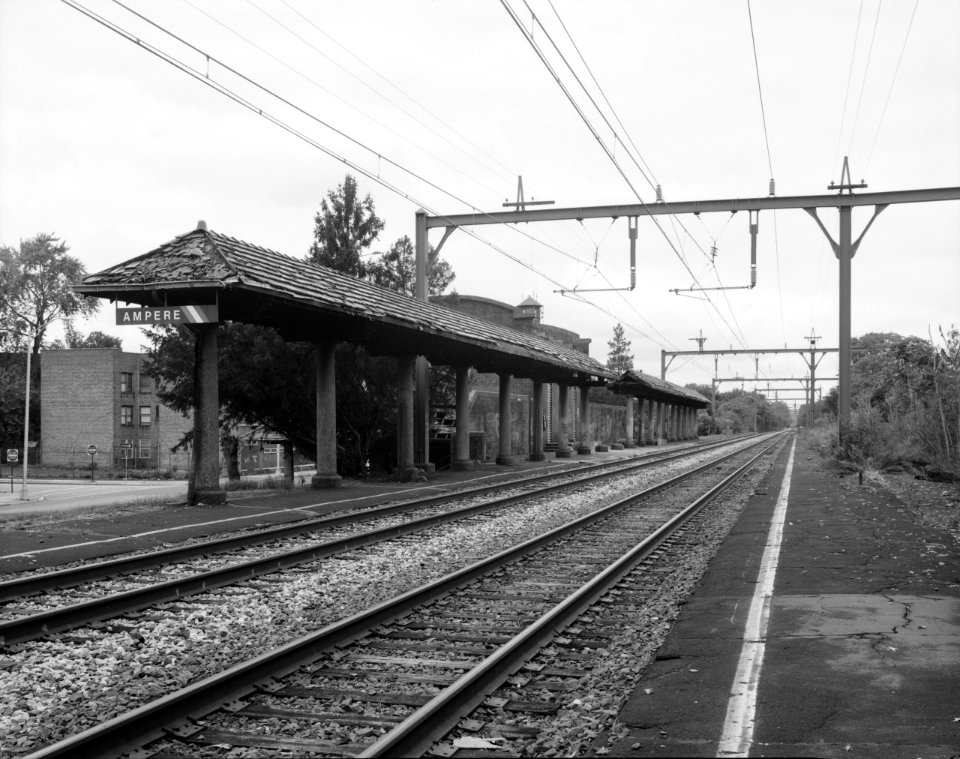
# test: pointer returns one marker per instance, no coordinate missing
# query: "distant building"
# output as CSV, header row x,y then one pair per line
x,y
102,397
526,316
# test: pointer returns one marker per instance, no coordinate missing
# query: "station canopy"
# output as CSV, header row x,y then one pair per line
x,y
305,301
652,388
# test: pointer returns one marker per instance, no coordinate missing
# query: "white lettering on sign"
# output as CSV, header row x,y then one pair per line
x,y
136,316
168,315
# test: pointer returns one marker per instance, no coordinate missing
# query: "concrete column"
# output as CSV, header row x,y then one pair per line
x,y
326,476
537,453
287,458
629,439
648,431
461,453
584,447
661,426
207,474
505,457
563,444
406,471
674,414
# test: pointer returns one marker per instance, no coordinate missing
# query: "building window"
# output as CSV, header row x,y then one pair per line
x,y
144,449
126,416
144,416
146,383
126,382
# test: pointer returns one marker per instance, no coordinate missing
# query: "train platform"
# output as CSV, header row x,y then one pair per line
x,y
827,625
34,535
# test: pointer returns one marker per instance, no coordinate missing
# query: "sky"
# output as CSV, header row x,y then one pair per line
x,y
443,105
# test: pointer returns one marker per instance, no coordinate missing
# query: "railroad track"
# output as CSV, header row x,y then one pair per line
x,y
399,676
128,585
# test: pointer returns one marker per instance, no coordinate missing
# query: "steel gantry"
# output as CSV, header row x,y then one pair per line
x,y
843,199
810,382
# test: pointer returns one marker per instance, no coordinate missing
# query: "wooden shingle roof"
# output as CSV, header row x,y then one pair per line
x,y
305,301
646,386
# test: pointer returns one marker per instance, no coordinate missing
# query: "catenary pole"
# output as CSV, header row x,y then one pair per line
x,y
844,250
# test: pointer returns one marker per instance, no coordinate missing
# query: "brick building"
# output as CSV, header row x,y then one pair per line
x,y
102,397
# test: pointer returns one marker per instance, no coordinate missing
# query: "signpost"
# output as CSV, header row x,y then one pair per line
x,y
12,456
126,450
92,450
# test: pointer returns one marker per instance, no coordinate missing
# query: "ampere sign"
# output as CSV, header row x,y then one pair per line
x,y
168,315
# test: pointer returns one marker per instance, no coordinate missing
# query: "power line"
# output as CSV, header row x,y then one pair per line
x,y
893,81
509,172
365,114
313,117
846,96
763,113
596,135
866,71
222,89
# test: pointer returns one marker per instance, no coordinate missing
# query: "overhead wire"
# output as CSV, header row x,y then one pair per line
x,y
240,100
866,72
423,108
235,97
509,172
380,156
766,138
893,81
738,333
309,79
592,129
846,96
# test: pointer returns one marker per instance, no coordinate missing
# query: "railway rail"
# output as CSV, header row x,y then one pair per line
x,y
134,583
403,673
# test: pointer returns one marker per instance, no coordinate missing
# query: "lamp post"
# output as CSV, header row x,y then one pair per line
x,y
26,431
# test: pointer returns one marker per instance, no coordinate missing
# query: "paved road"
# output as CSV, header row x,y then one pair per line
x,y
58,495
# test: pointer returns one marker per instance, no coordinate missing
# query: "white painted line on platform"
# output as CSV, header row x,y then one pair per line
x,y
737,735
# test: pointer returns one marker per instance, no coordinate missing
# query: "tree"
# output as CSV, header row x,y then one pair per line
x,y
74,339
397,269
619,359
344,228
35,291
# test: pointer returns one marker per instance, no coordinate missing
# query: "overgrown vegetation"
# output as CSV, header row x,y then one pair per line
x,y
904,406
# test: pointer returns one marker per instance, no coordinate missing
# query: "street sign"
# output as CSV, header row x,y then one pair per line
x,y
168,315
13,455
92,450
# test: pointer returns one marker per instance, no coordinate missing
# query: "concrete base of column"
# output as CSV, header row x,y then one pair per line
x,y
584,450
208,497
603,449
326,481
427,468
617,447
564,453
506,461
409,474
537,457
466,465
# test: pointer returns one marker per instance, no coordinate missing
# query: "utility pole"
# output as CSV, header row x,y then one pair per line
x,y
699,341
844,199
813,375
845,250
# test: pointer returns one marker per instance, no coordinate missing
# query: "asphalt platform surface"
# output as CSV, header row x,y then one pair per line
x,y
861,653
